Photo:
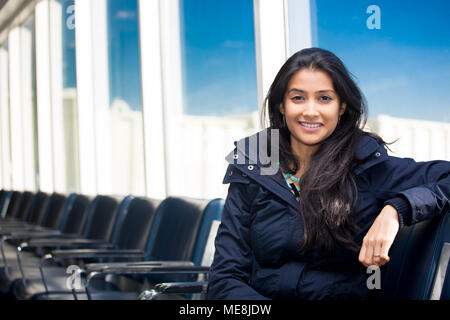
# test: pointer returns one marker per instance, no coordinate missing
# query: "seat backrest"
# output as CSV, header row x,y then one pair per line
x,y
66,209
2,194
77,210
4,202
102,215
13,205
25,204
445,292
211,216
419,256
55,210
174,233
137,222
37,208
122,212
210,248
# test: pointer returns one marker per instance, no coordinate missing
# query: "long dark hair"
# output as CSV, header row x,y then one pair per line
x,y
328,189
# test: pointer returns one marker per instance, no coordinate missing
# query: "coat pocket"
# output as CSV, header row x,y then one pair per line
x,y
278,283
317,284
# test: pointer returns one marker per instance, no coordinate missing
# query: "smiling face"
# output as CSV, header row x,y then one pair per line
x,y
311,108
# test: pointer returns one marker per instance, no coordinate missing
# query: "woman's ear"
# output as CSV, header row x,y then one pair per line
x,y
281,108
342,108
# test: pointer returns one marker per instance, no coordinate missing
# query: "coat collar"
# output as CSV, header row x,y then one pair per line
x,y
244,157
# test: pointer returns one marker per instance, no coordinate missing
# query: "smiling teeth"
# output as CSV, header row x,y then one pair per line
x,y
310,125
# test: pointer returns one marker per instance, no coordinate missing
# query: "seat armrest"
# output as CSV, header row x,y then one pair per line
x,y
31,234
19,227
97,253
147,269
141,269
99,267
68,242
174,288
182,287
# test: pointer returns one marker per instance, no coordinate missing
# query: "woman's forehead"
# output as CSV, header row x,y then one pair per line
x,y
310,80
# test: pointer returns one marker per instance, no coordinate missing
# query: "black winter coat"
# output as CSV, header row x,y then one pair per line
x,y
256,245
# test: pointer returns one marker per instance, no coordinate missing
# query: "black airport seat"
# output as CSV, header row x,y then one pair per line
x,y
101,224
418,269
52,213
172,236
5,196
47,221
32,217
203,257
129,243
176,248
11,206
21,212
72,221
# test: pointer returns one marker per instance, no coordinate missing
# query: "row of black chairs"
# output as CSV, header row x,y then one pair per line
x,y
57,246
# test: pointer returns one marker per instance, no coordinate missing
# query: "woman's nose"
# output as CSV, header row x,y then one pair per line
x,y
311,108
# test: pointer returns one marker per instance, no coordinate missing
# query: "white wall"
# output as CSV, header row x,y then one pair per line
x,y
418,139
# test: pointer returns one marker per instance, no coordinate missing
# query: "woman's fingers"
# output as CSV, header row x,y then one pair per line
x,y
379,238
376,257
362,255
381,256
384,251
367,251
374,252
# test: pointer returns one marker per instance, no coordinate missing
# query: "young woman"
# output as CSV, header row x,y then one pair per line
x,y
336,203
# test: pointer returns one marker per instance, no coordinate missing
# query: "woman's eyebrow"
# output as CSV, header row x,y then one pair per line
x,y
319,91
326,90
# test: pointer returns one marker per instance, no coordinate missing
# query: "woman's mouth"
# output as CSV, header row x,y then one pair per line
x,y
310,127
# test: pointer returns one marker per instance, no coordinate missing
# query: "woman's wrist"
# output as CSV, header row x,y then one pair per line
x,y
403,209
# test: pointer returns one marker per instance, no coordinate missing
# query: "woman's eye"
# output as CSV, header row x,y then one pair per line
x,y
325,98
297,98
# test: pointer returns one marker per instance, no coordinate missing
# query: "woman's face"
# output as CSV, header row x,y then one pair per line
x,y
311,107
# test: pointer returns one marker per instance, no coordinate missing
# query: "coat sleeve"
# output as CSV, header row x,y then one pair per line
x,y
421,189
230,271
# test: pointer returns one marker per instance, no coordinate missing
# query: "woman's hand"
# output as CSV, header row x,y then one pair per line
x,y
379,238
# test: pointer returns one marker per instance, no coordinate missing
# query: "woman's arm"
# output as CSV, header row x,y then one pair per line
x,y
231,269
423,189
418,191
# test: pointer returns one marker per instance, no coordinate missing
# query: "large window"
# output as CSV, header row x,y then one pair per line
x,y
215,66
400,55
125,111
64,96
218,57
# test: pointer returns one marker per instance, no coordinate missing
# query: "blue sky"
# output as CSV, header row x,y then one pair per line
x,y
123,52
218,57
68,34
402,68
